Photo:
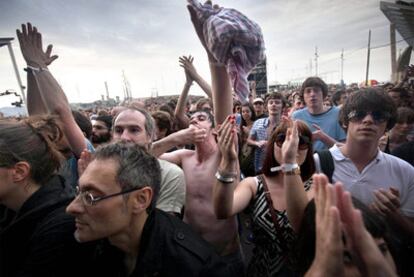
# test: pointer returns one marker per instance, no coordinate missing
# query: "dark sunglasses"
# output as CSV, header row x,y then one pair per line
x,y
304,141
377,116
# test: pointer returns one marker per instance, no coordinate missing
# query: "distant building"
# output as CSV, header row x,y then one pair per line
x,y
259,74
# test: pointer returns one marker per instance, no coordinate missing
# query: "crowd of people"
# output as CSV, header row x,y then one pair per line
x,y
323,173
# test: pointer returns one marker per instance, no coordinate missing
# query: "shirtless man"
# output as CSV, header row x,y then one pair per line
x,y
200,166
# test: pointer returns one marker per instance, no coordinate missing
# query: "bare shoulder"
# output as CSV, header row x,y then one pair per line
x,y
177,156
249,183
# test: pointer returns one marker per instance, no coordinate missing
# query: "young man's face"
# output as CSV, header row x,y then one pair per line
x,y
366,126
100,132
130,126
313,97
274,106
105,218
201,120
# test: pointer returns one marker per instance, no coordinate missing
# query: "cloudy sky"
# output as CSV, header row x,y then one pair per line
x,y
98,39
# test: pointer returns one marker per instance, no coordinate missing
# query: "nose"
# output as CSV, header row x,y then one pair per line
x,y
368,118
125,136
75,207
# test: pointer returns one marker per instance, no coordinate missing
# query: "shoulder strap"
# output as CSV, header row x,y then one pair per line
x,y
272,212
327,163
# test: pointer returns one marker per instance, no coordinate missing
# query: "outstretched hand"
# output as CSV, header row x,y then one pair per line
x,y
31,45
227,135
291,143
329,246
189,69
84,160
333,207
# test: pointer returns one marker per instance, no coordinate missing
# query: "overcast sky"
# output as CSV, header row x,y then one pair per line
x,y
97,39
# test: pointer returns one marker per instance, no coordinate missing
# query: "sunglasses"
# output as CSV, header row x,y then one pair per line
x,y
304,141
377,116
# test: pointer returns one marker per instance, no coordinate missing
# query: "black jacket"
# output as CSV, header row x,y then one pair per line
x,y
168,248
39,240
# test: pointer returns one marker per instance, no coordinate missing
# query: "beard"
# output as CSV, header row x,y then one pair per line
x,y
101,139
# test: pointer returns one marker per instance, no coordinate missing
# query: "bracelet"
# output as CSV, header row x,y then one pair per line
x,y
289,167
226,178
34,70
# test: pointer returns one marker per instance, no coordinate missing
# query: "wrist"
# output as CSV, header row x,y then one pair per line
x,y
291,169
36,64
225,176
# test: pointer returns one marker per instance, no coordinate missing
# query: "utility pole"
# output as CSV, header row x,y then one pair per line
x,y
368,56
316,60
107,90
393,53
342,67
7,41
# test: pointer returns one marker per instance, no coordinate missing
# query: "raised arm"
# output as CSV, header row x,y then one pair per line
x,y
221,88
230,197
179,113
295,194
192,134
191,70
52,95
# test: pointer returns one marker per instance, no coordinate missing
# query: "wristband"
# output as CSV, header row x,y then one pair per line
x,y
225,178
291,169
34,70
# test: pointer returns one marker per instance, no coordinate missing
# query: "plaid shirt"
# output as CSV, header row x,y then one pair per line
x,y
258,132
234,40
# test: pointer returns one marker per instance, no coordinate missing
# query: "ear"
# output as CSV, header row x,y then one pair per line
x,y
21,171
142,199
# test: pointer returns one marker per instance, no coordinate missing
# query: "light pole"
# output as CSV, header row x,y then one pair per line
x,y
7,41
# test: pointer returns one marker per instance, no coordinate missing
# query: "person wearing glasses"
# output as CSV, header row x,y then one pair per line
x,y
115,200
379,180
263,196
36,235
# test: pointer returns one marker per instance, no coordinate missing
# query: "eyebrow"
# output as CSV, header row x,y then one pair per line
x,y
89,187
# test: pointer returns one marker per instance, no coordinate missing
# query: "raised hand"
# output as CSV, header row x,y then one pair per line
x,y
290,145
227,135
329,246
31,45
84,160
189,69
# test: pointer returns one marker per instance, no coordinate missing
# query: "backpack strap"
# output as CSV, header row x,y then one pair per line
x,y
327,163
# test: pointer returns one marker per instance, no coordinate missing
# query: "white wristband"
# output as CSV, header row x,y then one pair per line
x,y
33,69
289,167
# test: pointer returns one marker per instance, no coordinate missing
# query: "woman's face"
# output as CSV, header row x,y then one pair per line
x,y
301,152
246,113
